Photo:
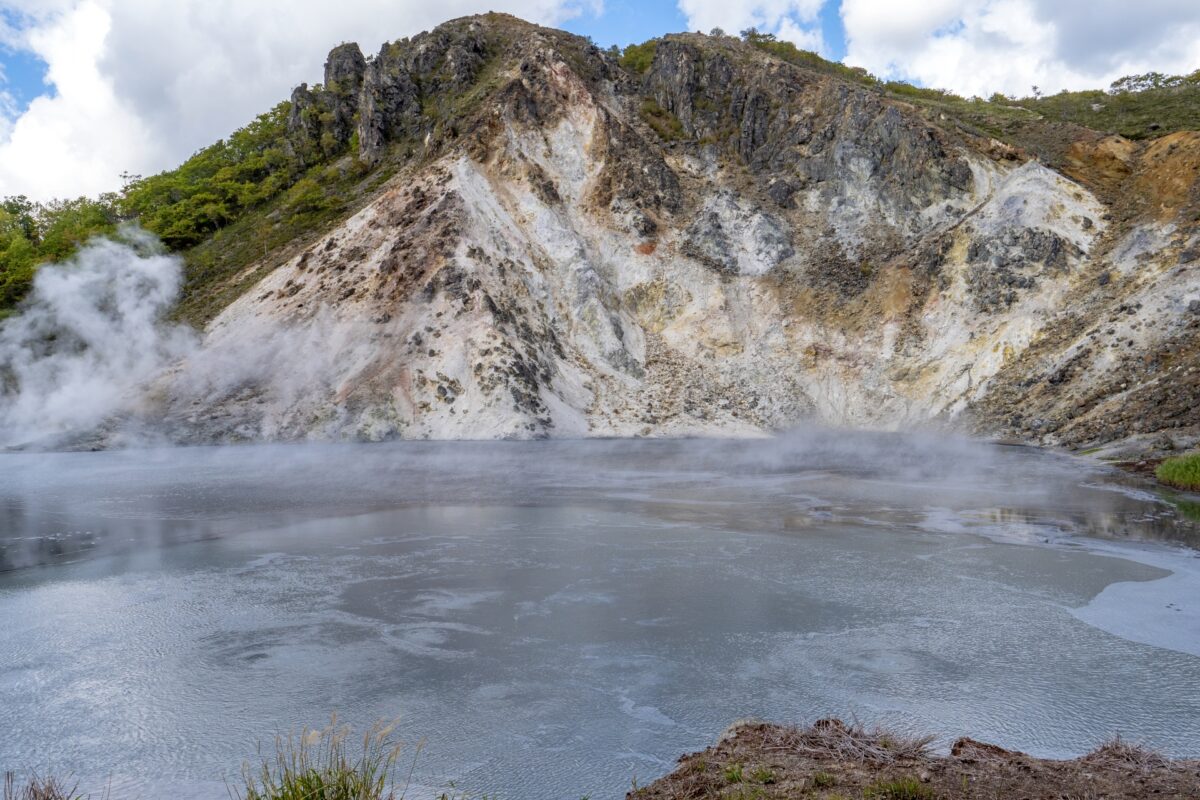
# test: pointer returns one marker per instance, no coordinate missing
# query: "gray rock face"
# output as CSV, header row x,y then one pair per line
x,y
321,122
344,69
343,78
735,239
389,106
1002,265
796,131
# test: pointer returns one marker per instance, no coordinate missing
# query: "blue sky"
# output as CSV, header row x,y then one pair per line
x,y
24,76
22,73
625,22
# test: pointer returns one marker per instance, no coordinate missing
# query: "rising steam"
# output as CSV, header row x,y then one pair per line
x,y
89,337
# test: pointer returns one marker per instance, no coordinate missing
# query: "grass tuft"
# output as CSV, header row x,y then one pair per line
x,y
665,124
1182,472
763,775
823,780
832,738
38,788
321,765
1119,753
906,788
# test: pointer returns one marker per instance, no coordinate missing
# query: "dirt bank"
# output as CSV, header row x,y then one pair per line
x,y
832,760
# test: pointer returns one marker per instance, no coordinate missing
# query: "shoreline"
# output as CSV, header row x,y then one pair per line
x,y
832,760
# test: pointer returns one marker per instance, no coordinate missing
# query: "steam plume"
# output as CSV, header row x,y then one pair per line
x,y
90,335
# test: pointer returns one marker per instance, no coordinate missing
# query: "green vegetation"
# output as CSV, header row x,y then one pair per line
x,y
216,272
319,765
665,124
185,207
1136,106
787,51
1182,472
32,233
906,788
823,780
762,775
638,57
216,185
733,773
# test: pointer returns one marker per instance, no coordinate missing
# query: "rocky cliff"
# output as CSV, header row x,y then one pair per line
x,y
724,243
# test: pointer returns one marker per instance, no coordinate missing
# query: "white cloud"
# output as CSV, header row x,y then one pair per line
x,y
139,85
976,47
8,107
793,20
75,141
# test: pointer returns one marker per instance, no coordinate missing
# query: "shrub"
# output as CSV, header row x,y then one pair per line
x,y
32,233
638,57
770,43
213,187
319,765
1182,472
664,123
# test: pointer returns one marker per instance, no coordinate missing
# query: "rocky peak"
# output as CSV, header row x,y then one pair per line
x,y
344,68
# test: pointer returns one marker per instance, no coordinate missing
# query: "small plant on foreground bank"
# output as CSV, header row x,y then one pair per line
x,y
763,775
823,780
1127,755
38,788
322,765
1182,472
899,789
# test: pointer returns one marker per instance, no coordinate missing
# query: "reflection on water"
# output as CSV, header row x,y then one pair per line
x,y
556,618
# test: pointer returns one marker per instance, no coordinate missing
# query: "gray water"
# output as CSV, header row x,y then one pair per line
x,y
557,619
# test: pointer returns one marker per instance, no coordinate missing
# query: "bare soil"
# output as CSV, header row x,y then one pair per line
x,y
835,761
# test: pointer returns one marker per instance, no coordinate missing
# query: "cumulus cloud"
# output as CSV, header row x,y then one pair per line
x,y
976,47
139,85
793,20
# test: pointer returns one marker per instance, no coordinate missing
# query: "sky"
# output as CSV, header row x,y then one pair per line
x,y
91,89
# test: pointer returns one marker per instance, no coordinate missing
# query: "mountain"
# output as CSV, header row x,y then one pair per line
x,y
512,233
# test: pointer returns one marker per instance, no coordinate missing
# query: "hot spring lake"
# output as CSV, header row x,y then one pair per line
x,y
556,619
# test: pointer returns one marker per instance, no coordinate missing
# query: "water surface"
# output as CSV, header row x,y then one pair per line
x,y
556,619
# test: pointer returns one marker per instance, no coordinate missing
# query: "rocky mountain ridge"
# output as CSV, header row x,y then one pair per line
x,y
725,243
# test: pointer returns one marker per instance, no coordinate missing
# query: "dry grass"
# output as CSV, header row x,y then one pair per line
x,y
38,788
834,739
1117,753
321,765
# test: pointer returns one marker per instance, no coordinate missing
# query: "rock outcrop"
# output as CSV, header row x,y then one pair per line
x,y
725,244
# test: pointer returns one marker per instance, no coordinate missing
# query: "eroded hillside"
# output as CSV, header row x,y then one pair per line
x,y
724,242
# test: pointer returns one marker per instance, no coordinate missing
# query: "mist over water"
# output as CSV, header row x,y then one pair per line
x,y
555,618
88,339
